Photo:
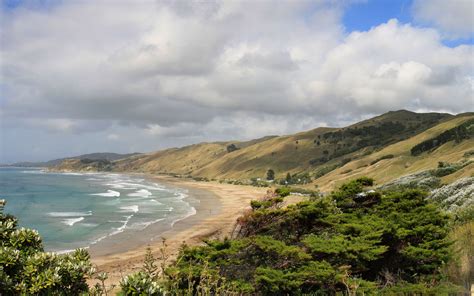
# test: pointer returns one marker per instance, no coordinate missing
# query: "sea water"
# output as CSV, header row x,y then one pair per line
x,y
73,210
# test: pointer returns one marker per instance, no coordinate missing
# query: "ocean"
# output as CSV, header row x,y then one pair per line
x,y
80,210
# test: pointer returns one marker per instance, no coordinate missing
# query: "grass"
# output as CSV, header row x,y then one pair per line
x,y
461,270
293,153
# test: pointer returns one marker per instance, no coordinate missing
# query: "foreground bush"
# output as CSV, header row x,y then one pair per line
x,y
25,269
355,241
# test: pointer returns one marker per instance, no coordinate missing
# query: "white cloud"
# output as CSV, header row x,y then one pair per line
x,y
376,70
113,137
455,18
184,71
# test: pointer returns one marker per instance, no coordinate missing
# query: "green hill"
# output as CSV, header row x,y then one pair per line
x,y
92,156
379,147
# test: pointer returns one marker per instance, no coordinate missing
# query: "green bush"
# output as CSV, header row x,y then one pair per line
x,y
355,241
283,191
25,269
388,156
457,134
445,168
140,283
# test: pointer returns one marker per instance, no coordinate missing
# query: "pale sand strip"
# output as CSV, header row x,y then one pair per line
x,y
233,199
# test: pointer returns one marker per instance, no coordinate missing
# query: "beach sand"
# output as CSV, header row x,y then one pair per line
x,y
218,208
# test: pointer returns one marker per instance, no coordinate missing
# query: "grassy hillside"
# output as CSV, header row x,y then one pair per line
x,y
401,162
92,156
379,147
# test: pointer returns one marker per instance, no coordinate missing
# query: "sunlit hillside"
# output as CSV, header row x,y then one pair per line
x,y
379,147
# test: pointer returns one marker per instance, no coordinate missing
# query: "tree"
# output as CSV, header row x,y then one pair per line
x,y
270,175
288,178
231,148
25,269
353,242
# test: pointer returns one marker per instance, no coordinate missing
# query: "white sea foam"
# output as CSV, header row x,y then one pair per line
x,y
109,193
34,172
122,228
93,179
129,209
165,210
141,193
69,214
191,212
89,224
138,185
72,221
143,225
180,195
73,174
116,231
120,186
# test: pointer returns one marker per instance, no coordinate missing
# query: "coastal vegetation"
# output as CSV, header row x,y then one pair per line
x,y
409,233
357,240
25,269
380,147
326,247
457,134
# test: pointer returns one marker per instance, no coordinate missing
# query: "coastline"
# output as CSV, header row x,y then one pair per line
x,y
217,208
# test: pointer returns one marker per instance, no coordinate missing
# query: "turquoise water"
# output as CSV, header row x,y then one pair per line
x,y
72,210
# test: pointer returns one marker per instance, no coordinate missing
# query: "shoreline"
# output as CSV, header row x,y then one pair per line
x,y
128,240
217,208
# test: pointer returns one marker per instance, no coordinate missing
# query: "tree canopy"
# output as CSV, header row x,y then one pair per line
x,y
352,240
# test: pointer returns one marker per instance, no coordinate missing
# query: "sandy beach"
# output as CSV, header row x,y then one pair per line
x,y
216,212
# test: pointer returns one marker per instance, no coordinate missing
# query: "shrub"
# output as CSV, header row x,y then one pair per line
x,y
25,269
457,134
324,170
469,154
270,175
354,241
232,148
140,283
283,191
445,168
388,156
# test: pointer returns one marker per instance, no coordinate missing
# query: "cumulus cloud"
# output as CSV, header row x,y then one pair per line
x,y
454,18
395,65
182,71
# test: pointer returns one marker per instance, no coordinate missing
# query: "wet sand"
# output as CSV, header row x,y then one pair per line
x,y
217,208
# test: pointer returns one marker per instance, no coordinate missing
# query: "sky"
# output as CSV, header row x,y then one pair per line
x,y
136,76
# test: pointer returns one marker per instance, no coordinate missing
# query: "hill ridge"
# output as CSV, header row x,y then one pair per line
x,y
320,155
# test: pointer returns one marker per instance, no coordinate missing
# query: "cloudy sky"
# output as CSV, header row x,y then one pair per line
x,y
124,76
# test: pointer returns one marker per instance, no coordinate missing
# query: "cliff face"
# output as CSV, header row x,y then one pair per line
x,y
379,147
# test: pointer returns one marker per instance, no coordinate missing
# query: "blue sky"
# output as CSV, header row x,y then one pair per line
x,y
364,15
127,76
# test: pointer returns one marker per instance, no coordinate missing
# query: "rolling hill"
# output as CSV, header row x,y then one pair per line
x,y
380,147
92,156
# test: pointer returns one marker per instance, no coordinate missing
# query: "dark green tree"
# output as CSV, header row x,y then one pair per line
x,y
353,241
288,178
232,148
270,175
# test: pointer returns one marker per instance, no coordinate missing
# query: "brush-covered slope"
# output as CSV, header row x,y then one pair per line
x,y
396,160
301,152
91,156
313,151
